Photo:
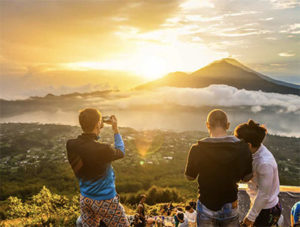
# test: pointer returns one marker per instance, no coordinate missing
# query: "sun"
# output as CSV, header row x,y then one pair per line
x,y
151,67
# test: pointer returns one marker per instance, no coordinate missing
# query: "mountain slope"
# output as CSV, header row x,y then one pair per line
x,y
238,64
226,71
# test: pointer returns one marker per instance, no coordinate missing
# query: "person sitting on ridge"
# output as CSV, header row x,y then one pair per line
x,y
191,215
182,219
141,210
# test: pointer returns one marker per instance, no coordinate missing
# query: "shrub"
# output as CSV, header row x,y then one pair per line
x,y
154,195
45,208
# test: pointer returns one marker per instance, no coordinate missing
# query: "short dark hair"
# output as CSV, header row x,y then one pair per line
x,y
88,118
251,132
192,204
188,207
180,215
217,118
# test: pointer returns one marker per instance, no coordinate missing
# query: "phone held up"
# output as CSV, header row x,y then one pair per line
x,y
106,119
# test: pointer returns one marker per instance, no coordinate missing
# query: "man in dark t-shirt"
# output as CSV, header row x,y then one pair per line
x,y
219,162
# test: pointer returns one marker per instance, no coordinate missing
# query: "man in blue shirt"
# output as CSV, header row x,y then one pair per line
x,y
91,163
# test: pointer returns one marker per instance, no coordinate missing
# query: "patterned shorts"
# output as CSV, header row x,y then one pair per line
x,y
110,211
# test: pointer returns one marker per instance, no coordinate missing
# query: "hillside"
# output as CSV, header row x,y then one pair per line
x,y
33,155
226,71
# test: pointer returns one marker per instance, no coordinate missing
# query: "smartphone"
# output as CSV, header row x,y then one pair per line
x,y
106,119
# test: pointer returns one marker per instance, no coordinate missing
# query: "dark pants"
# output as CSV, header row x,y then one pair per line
x,y
268,217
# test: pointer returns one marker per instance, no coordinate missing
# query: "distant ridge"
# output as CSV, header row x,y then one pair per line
x,y
75,94
226,71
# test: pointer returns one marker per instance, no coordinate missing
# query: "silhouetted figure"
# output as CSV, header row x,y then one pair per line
x,y
191,215
183,221
141,210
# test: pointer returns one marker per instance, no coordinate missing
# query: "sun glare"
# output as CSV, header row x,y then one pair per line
x,y
149,67
153,61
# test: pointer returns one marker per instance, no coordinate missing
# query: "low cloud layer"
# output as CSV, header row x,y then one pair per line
x,y
170,108
214,95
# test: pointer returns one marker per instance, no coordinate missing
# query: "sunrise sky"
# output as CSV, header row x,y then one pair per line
x,y
43,43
